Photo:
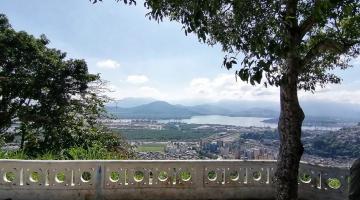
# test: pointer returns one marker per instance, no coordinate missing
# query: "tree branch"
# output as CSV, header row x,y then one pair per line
x,y
3,78
327,45
290,18
312,20
309,23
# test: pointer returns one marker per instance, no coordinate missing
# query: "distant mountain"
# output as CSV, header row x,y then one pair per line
x,y
130,102
150,108
329,109
164,110
154,110
240,106
313,109
314,121
259,112
207,109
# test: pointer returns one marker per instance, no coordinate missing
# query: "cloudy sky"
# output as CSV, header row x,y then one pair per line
x,y
141,58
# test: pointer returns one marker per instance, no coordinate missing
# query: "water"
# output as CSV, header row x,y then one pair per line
x,y
224,120
238,121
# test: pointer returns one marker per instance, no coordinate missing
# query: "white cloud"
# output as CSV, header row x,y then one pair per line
x,y
151,92
225,86
123,91
108,64
335,94
137,79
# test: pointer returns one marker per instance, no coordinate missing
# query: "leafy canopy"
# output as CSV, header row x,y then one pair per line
x,y
48,102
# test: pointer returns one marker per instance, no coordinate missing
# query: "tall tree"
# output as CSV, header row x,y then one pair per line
x,y
293,44
53,100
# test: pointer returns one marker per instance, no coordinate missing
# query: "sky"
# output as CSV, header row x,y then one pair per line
x,y
143,58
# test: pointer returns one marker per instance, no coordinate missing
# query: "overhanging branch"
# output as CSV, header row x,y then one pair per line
x,y
309,23
312,20
327,45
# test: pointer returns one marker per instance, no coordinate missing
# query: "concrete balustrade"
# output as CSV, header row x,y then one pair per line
x,y
160,179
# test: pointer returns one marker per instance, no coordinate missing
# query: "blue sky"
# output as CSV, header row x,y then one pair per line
x,y
141,58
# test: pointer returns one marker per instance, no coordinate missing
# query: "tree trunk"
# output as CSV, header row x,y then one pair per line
x,y
291,148
23,133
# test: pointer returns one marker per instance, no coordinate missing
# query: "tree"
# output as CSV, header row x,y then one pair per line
x,y
54,101
291,44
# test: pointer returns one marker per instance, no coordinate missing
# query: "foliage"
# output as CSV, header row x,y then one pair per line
x,y
2,141
334,183
331,146
125,1
96,152
115,176
169,132
10,176
151,148
139,176
185,175
163,176
305,178
162,135
212,175
49,102
268,134
13,155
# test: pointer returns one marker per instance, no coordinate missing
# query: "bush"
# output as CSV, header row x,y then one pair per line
x,y
96,152
13,155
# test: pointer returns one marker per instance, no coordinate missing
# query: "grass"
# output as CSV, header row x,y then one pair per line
x,y
163,176
95,152
212,175
139,176
186,133
185,176
334,183
9,177
35,177
153,147
60,177
114,176
305,178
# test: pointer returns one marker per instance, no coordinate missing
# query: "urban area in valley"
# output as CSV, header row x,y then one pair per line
x,y
172,139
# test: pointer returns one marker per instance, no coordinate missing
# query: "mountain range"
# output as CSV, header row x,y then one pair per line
x,y
165,110
153,109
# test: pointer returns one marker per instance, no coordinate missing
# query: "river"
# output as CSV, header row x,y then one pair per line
x,y
238,121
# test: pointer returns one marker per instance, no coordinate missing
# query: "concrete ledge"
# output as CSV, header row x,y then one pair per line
x,y
159,180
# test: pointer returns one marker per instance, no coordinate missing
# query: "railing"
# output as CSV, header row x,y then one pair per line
x,y
158,180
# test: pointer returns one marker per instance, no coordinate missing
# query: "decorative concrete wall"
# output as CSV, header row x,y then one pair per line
x,y
160,180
